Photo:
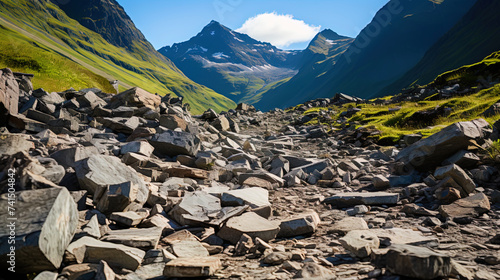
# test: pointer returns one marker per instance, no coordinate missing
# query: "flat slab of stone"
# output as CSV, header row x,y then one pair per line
x,y
144,239
309,168
403,236
264,176
349,224
251,224
46,221
343,200
470,206
254,197
87,249
139,147
195,208
129,218
192,267
189,249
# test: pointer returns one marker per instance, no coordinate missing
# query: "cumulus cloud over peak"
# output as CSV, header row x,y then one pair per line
x,y
279,30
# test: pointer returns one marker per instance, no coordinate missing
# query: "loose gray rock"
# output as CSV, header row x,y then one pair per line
x,y
14,143
427,153
417,262
144,239
41,235
87,249
301,224
360,242
115,186
192,267
342,200
174,143
251,224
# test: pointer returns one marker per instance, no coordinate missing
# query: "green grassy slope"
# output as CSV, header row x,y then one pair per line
x,y
43,25
52,71
395,124
473,37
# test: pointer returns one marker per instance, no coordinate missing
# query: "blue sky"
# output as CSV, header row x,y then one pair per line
x,y
167,22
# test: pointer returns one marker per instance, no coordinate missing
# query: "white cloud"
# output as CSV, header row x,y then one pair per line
x,y
279,30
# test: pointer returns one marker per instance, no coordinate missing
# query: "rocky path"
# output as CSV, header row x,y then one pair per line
x,y
133,187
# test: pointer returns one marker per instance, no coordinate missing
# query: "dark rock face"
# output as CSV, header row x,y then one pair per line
x,y
105,17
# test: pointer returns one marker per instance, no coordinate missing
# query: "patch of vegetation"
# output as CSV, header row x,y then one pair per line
x,y
494,150
395,124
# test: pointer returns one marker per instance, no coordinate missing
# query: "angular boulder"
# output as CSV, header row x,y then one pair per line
x,y
41,236
195,208
417,262
87,249
115,186
459,176
251,224
68,157
300,224
139,147
427,153
172,122
136,97
470,206
174,143
122,125
360,242
349,224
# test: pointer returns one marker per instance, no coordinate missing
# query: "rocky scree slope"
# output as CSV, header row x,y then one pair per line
x,y
134,186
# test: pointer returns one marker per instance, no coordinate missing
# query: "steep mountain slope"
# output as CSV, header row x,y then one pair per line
x,y
394,42
319,57
231,63
44,29
476,35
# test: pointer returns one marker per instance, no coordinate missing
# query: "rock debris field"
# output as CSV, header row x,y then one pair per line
x,y
132,186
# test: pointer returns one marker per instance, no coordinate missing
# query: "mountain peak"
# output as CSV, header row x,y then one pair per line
x,y
331,35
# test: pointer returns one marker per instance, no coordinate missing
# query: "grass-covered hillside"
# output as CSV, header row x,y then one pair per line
x,y
39,37
426,109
